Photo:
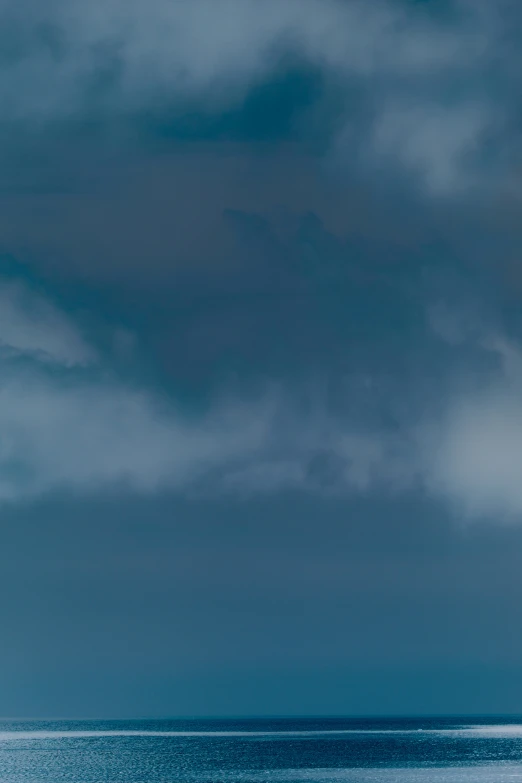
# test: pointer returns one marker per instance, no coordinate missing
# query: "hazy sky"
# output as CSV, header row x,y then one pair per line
x,y
261,357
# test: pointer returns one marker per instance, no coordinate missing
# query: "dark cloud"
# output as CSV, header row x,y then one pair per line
x,y
260,351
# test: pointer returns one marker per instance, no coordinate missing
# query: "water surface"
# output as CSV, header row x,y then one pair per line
x,y
278,750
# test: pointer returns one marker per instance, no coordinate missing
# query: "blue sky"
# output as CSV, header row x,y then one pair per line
x,y
260,422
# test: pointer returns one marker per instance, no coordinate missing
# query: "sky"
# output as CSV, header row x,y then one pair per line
x,y
261,357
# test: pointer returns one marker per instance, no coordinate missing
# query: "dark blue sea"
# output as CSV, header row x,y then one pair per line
x,y
274,750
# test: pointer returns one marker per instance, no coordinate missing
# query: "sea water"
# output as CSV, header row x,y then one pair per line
x,y
274,750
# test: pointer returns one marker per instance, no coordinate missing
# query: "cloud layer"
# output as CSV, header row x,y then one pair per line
x,y
68,422
429,79
417,91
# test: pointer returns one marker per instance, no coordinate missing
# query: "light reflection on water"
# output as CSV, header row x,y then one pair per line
x,y
279,751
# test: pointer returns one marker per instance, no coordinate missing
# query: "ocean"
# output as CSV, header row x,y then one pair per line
x,y
318,750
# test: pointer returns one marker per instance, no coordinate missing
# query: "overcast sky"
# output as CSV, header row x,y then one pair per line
x,y
261,357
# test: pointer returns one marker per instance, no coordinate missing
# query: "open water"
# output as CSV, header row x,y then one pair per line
x,y
272,750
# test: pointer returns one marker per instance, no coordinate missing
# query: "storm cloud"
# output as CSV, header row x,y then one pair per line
x,y
412,85
260,356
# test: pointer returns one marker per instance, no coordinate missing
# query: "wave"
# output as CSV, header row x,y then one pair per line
x,y
500,730
488,773
74,734
496,731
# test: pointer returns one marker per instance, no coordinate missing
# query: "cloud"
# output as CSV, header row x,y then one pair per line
x,y
30,325
453,325
66,421
477,457
434,141
338,461
471,455
69,423
170,48
69,58
86,436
